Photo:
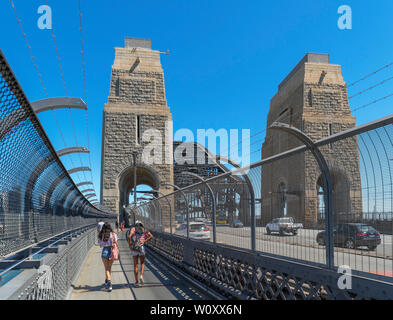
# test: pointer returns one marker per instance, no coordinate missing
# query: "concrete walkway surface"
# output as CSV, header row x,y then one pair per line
x,y
160,283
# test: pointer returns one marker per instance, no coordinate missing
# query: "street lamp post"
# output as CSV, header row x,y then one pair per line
x,y
126,214
134,155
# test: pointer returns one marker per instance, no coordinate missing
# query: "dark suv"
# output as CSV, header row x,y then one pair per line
x,y
352,235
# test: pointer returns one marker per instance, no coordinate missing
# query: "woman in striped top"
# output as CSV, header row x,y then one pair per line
x,y
107,239
139,235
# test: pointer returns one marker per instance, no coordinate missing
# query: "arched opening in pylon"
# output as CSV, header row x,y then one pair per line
x,y
147,181
341,199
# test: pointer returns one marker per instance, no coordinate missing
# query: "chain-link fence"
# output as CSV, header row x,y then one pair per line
x,y
53,280
278,206
38,198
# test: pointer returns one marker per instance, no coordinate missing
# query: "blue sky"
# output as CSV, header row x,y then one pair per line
x,y
226,57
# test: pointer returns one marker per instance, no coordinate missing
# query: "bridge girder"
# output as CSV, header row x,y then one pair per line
x,y
70,150
40,168
58,103
84,183
88,190
77,169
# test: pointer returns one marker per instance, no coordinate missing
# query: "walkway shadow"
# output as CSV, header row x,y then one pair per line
x,y
156,285
87,288
165,279
171,286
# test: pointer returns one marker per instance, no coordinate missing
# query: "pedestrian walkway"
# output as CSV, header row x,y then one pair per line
x,y
160,283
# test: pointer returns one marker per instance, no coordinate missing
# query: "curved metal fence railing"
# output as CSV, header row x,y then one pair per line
x,y
360,163
38,198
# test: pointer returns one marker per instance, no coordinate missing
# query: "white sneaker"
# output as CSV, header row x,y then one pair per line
x,y
141,280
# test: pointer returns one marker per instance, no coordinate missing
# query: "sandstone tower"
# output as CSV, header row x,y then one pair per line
x,y
136,103
312,98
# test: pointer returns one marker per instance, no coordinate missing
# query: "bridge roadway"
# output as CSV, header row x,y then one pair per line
x,y
160,282
303,246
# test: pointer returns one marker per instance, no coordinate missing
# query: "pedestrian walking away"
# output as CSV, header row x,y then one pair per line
x,y
107,239
137,237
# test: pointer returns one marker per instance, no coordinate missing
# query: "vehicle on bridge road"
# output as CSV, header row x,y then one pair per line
x,y
283,225
236,224
353,235
197,230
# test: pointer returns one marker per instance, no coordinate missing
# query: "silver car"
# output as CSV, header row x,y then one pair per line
x,y
197,231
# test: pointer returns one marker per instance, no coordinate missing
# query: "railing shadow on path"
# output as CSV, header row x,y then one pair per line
x,y
155,277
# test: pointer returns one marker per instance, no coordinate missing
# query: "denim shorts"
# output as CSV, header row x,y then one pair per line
x,y
137,253
106,252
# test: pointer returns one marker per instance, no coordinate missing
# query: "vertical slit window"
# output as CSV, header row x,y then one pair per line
x,y
330,133
117,88
138,129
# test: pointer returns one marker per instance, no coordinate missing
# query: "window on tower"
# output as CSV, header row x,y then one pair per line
x,y
117,88
138,129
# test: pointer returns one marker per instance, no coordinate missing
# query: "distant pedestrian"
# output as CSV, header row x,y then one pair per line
x,y
107,240
137,237
117,226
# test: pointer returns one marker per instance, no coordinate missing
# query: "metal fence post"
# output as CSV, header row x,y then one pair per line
x,y
170,218
170,209
213,201
185,201
187,217
160,211
252,198
327,182
253,220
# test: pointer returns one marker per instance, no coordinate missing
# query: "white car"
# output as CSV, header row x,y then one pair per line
x,y
283,225
197,230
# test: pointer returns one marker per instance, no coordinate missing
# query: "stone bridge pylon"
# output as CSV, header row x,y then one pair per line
x,y
313,98
136,104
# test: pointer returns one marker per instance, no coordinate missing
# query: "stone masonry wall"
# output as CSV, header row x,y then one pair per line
x,y
317,96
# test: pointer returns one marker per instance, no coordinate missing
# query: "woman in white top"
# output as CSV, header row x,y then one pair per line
x,y
106,239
